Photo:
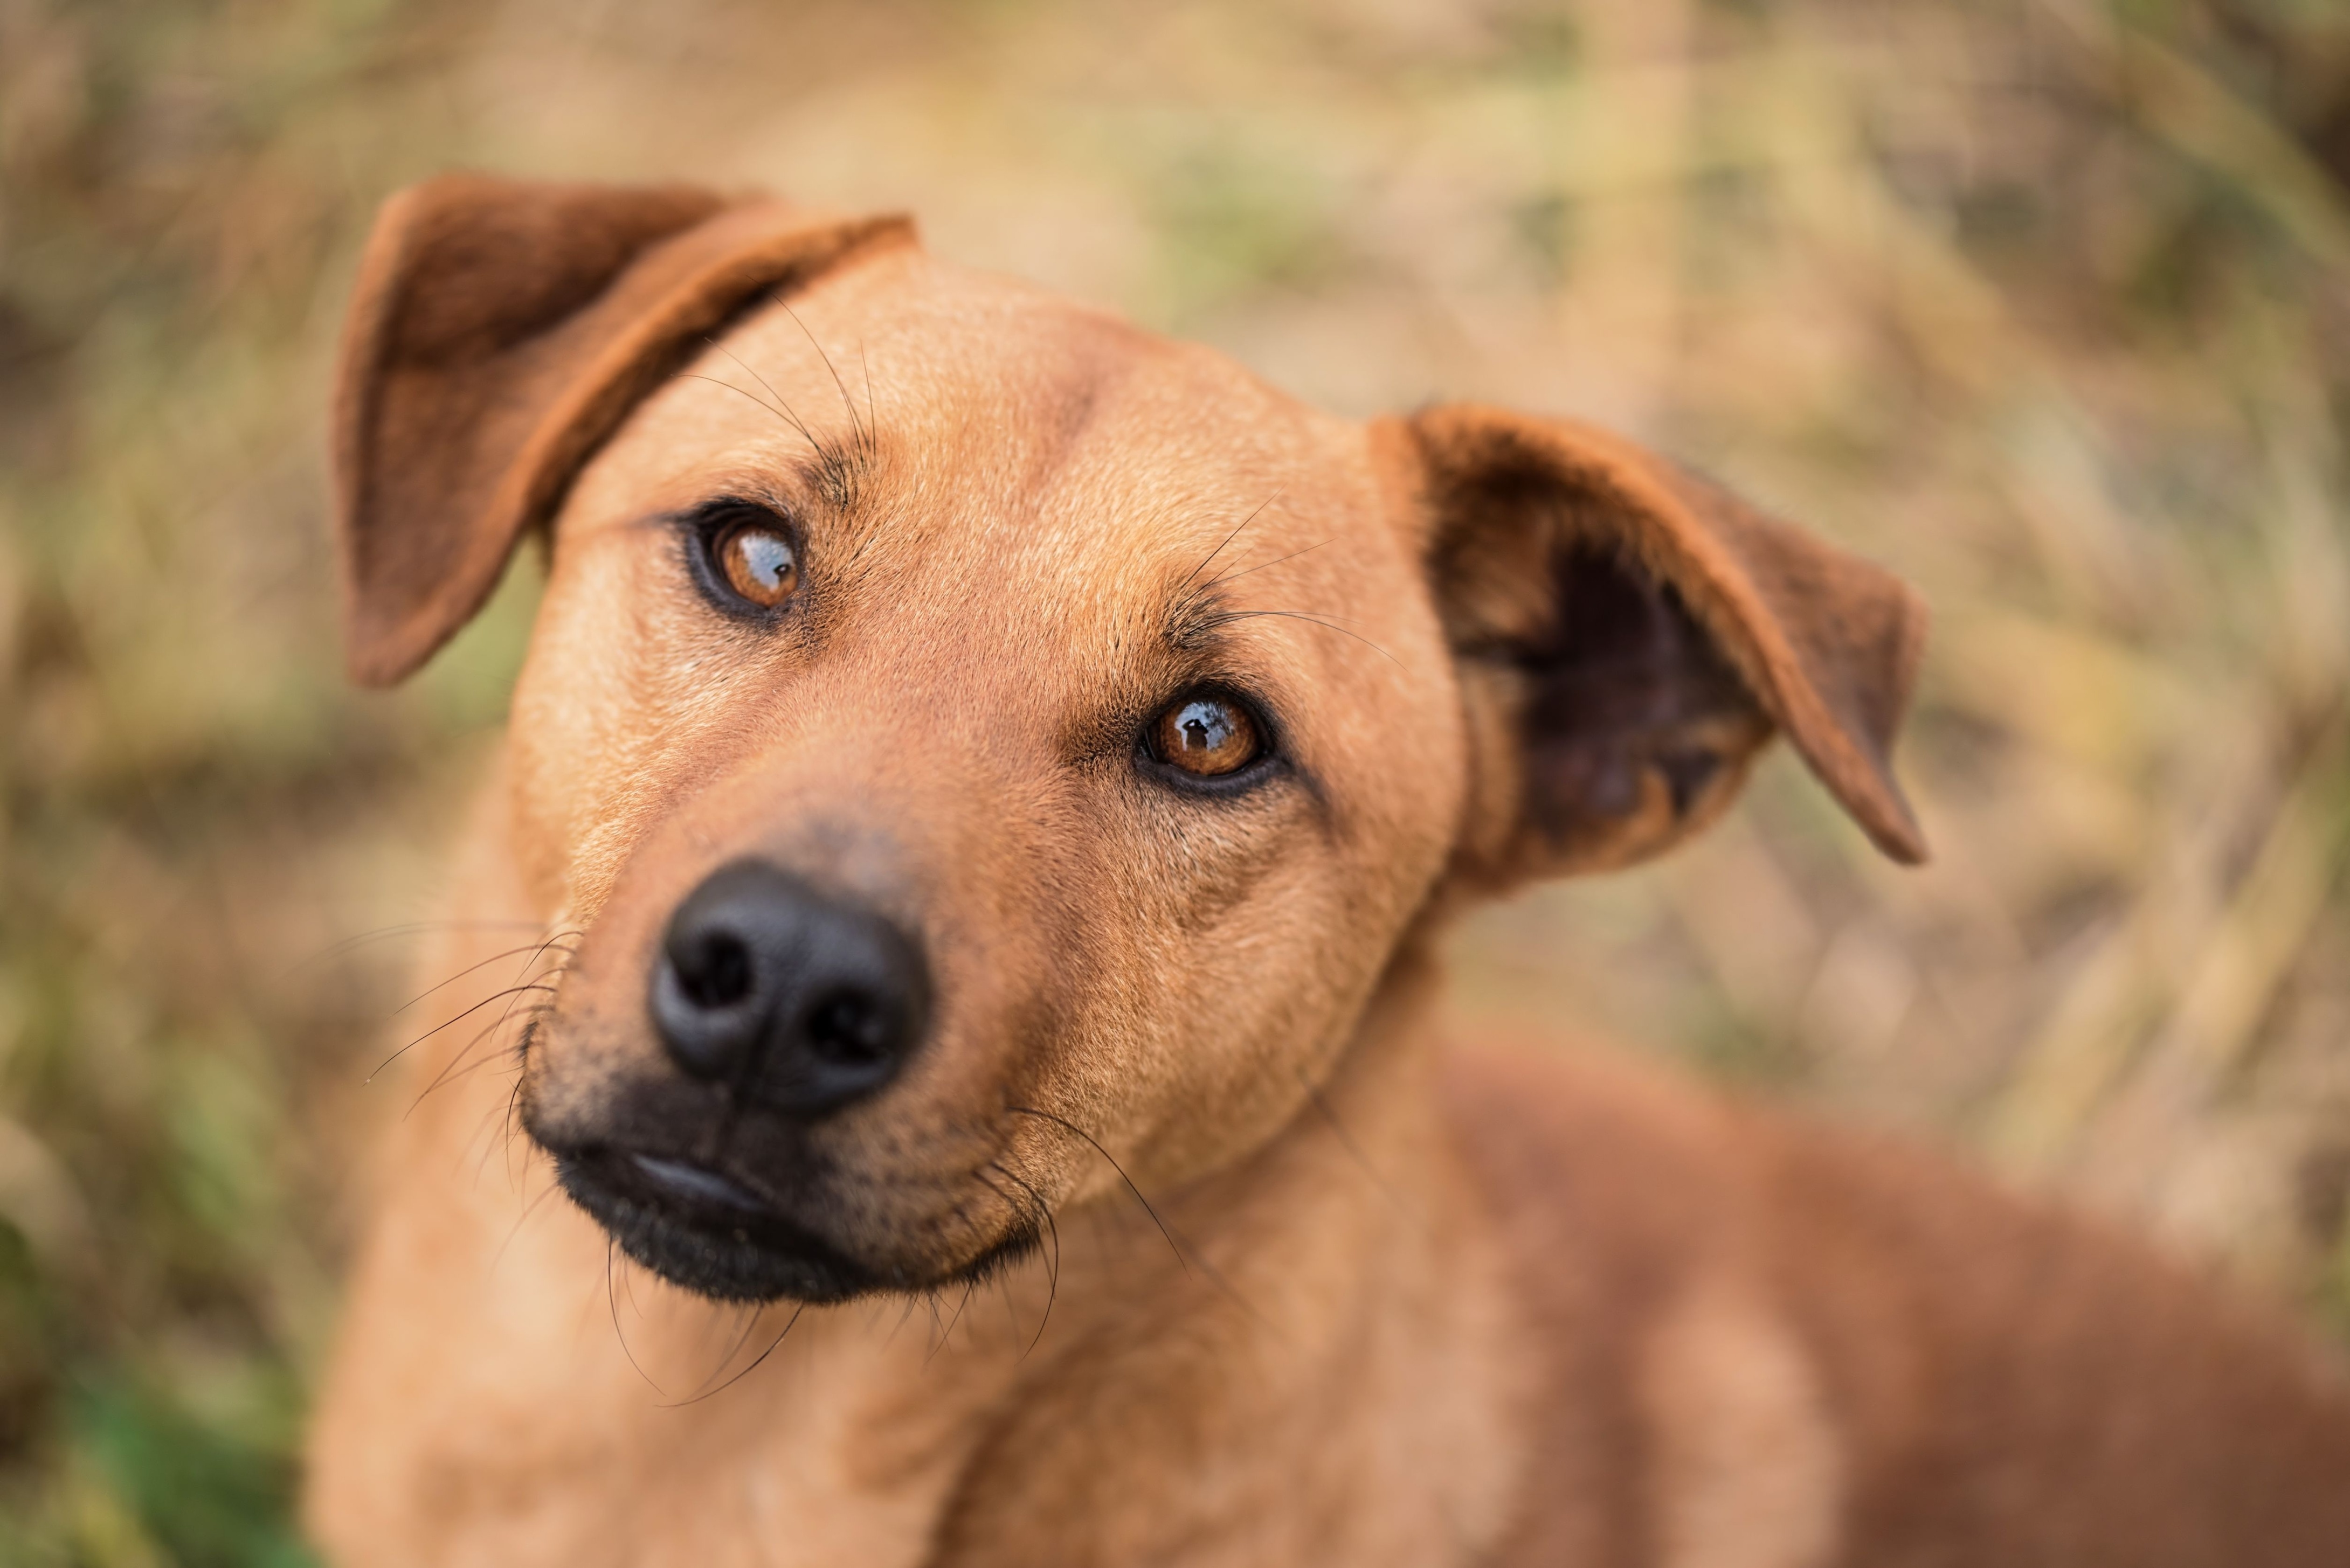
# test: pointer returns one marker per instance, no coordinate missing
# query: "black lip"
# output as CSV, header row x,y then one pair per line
x,y
695,1183
700,1229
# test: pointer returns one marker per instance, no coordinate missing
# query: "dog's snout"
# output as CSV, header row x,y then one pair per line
x,y
798,1000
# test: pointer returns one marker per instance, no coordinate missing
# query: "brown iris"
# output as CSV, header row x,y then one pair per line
x,y
1205,735
758,563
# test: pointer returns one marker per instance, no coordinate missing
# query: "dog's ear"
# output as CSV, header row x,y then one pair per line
x,y
499,332
1628,635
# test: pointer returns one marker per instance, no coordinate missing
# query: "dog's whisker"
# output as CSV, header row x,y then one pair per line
x,y
782,407
1011,1311
454,1068
488,1119
904,1318
411,928
1053,1229
628,1288
490,1140
1155,1218
782,414
561,941
1193,575
1221,577
1227,617
755,1365
533,948
856,426
483,1063
1321,1103
436,1029
1014,1208
612,1299
501,1117
513,1102
452,1071
530,1015
930,1300
457,1068
751,1315
1207,1268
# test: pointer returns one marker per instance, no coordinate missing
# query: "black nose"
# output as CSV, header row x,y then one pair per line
x,y
800,1002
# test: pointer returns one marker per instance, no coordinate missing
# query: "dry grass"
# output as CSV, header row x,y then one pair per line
x,y
2044,303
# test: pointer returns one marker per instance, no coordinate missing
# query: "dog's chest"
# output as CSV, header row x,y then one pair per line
x,y
523,1443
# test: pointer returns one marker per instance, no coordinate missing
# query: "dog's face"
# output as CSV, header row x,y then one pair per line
x,y
1005,695
988,753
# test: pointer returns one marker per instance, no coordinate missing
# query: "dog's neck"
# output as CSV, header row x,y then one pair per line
x,y
1189,1364
1312,1336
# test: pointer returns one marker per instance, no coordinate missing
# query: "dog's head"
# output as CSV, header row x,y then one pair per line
x,y
974,736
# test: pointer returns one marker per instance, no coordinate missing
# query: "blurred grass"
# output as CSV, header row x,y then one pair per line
x,y
2045,303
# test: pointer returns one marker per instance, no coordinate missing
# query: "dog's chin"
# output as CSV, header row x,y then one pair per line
x,y
701,1231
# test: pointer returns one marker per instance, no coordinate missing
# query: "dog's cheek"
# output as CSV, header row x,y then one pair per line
x,y
581,731
1192,1056
1320,892
1327,917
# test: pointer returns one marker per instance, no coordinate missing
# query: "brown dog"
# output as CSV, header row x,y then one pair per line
x,y
983,787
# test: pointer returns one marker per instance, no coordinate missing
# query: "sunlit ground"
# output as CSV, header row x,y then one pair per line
x,y
2043,302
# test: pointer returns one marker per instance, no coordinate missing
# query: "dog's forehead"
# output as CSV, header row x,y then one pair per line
x,y
1024,487
1029,426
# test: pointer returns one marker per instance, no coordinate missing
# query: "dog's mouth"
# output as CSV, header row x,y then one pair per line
x,y
700,1228
704,1231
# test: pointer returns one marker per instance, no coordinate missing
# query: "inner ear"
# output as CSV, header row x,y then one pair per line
x,y
1634,726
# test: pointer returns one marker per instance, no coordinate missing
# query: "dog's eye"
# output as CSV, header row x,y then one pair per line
x,y
756,558
1205,735
758,563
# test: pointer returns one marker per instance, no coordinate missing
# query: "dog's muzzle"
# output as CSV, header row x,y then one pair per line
x,y
782,1004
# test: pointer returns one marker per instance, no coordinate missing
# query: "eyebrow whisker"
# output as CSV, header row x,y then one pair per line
x,y
1193,573
856,426
782,405
1235,576
787,417
1228,617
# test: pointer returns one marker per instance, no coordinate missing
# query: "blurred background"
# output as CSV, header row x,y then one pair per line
x,y
2043,302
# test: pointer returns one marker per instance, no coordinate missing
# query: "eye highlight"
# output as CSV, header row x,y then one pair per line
x,y
1205,734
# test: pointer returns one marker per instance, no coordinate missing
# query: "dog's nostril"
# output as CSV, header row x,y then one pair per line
x,y
715,972
850,1029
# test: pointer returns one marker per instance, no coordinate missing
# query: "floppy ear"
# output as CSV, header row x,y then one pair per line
x,y
1629,634
499,332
